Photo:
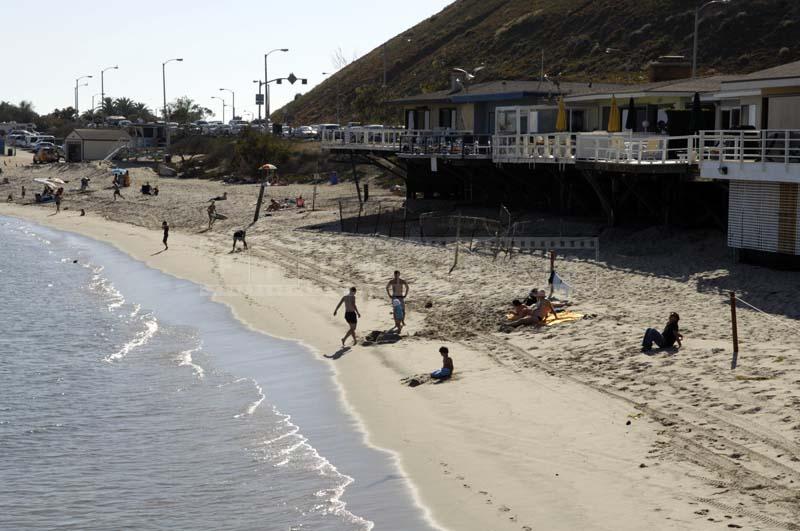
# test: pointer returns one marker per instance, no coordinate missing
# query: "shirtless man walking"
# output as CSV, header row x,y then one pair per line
x,y
351,314
397,288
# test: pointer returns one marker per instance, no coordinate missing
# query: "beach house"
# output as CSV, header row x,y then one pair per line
x,y
756,149
94,144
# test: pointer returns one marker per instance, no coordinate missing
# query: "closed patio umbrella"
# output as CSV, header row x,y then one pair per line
x,y
561,119
696,117
630,121
613,117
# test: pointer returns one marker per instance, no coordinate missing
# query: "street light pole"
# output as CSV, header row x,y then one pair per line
x,y
266,77
102,83
77,86
696,31
233,94
164,86
223,106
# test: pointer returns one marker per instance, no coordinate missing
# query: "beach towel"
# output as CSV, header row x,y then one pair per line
x,y
563,317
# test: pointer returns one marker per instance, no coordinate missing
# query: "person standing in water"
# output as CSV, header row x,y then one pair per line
x,y
351,314
165,228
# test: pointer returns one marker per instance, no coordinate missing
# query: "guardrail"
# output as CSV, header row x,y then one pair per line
x,y
553,147
450,144
630,149
372,138
763,146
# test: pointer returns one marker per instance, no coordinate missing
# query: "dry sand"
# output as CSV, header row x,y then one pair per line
x,y
566,427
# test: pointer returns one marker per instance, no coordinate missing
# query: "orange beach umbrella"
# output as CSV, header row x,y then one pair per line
x,y
561,119
613,117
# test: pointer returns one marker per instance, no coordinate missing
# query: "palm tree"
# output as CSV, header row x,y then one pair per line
x,y
124,106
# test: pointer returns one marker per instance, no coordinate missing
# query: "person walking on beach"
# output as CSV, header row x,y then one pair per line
x,y
117,192
58,202
397,288
665,339
351,314
212,214
165,228
23,192
239,236
447,366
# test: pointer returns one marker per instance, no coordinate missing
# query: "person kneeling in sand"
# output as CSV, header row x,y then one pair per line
x,y
447,366
666,339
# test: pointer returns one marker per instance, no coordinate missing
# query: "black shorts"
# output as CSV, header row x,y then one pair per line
x,y
351,317
398,297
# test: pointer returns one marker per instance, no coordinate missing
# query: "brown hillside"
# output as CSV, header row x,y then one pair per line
x,y
509,35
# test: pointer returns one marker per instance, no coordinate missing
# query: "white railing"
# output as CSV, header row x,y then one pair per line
x,y
625,148
781,146
445,143
551,147
365,138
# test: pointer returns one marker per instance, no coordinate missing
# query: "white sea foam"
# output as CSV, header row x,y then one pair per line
x,y
151,327
252,407
185,360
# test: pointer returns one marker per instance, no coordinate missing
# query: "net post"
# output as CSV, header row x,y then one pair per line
x,y
735,331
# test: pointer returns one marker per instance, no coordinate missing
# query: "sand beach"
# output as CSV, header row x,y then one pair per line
x,y
562,427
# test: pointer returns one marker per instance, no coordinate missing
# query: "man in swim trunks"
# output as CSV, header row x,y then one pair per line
x,y
165,228
351,314
212,214
397,288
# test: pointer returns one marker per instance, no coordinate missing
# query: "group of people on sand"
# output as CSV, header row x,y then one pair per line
x,y
534,311
275,205
397,290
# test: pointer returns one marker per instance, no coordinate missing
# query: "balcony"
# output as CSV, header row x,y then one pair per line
x,y
445,144
756,155
369,138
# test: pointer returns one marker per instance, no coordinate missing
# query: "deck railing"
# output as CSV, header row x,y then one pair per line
x,y
534,147
626,148
450,144
763,146
365,138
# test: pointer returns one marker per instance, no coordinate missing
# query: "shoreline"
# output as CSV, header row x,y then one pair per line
x,y
492,449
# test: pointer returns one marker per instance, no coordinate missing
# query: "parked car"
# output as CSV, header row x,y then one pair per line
x,y
286,131
304,132
41,144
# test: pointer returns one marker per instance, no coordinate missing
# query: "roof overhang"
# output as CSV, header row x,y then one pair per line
x,y
757,84
733,94
627,95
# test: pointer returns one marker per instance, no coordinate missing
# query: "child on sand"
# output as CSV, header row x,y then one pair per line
x,y
447,366
239,236
667,338
398,313
351,314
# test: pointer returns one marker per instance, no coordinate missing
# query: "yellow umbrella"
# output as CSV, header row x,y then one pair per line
x,y
561,119
614,121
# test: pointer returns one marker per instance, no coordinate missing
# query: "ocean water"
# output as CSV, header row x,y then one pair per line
x,y
130,400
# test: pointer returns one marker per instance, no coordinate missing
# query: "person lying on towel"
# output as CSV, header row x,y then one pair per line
x,y
538,313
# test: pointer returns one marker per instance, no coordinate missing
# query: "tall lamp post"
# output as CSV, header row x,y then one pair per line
x,y
266,77
77,86
164,85
102,83
696,29
223,106
233,102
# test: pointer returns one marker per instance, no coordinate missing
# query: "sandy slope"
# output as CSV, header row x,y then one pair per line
x,y
533,433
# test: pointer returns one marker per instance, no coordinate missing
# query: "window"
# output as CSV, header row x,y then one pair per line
x,y
506,122
447,118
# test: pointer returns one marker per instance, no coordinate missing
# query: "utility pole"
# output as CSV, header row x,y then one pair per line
x,y
266,80
164,86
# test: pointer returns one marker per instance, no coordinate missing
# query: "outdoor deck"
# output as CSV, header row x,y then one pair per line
x,y
772,155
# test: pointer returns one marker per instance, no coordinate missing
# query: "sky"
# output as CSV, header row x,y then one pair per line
x,y
222,45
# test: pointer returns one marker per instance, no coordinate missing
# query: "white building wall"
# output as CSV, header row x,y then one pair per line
x,y
758,218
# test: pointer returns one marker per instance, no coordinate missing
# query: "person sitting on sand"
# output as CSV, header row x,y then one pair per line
x,y
538,313
274,206
147,189
300,202
239,236
155,190
520,310
667,338
447,366
84,184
